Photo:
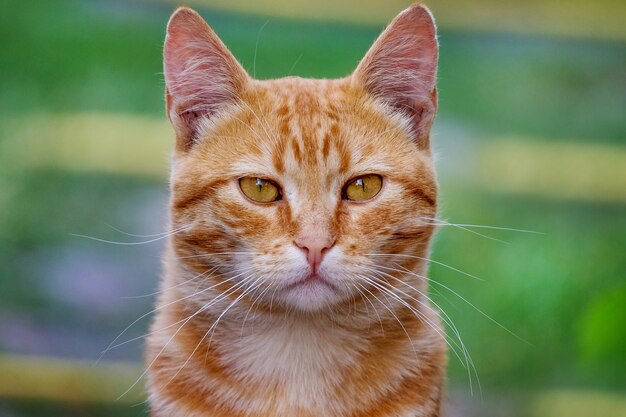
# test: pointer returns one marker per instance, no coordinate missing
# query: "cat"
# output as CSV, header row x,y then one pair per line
x,y
294,277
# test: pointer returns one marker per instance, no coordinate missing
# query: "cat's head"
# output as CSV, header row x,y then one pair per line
x,y
295,192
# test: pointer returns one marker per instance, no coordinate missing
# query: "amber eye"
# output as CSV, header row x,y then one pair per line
x,y
363,188
259,190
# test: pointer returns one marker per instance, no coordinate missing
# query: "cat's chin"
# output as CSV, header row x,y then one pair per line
x,y
313,293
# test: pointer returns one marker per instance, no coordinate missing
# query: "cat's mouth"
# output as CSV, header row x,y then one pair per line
x,y
311,292
311,281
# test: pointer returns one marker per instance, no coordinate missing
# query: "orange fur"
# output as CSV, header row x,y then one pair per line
x,y
237,332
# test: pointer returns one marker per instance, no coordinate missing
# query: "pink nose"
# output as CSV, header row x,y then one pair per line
x,y
314,247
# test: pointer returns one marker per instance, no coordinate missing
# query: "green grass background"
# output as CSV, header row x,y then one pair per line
x,y
563,291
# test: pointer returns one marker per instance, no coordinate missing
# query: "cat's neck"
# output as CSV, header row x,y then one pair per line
x,y
283,347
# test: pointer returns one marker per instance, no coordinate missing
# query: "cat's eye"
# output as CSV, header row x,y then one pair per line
x,y
363,188
259,189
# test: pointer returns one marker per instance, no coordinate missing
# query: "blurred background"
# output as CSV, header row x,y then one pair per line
x,y
531,135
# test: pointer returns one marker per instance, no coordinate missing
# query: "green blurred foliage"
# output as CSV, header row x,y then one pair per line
x,y
602,332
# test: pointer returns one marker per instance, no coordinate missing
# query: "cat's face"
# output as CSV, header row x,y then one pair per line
x,y
301,193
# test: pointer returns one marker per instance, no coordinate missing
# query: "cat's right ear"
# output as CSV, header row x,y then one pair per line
x,y
201,75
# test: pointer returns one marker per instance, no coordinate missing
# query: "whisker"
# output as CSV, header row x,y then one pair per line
x,y
159,354
157,309
251,288
256,299
469,363
185,282
391,311
200,310
358,287
463,299
382,327
213,326
127,243
256,47
294,65
148,235
445,223
402,255
484,226
509,229
206,255
164,328
376,282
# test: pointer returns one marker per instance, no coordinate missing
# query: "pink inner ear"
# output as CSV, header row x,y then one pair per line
x,y
401,67
191,118
201,75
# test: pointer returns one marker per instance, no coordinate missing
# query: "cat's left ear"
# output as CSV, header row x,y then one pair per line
x,y
400,69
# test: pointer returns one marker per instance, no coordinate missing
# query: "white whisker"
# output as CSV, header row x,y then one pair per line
x,y
156,239
389,309
157,309
200,310
469,363
401,255
148,235
463,299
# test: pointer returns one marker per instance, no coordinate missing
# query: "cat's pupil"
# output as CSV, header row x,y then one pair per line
x,y
259,183
360,183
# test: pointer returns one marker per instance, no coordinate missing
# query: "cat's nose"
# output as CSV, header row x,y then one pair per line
x,y
314,247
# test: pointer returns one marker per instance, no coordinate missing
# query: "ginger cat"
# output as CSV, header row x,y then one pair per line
x,y
294,281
